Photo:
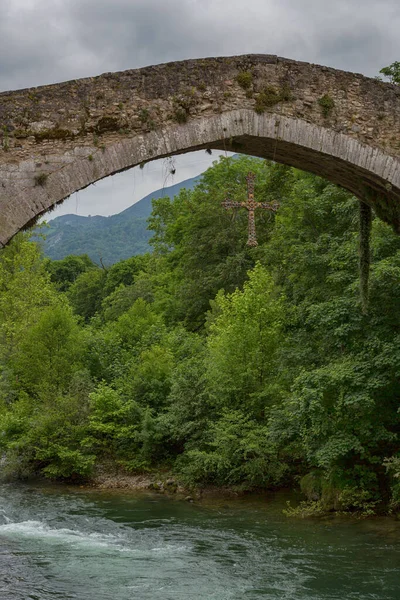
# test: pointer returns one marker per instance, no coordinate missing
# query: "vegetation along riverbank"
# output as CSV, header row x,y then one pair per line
x,y
251,368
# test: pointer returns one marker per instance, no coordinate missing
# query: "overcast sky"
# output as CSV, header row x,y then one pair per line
x,y
47,41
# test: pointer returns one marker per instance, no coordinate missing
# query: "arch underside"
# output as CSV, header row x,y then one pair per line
x,y
367,172
365,185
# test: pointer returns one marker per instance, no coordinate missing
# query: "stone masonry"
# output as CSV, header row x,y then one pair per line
x,y
57,139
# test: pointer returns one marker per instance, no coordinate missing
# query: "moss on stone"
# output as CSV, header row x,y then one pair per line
x,y
327,104
244,79
270,96
33,97
5,141
41,179
144,115
106,124
57,133
286,93
180,115
21,134
267,98
183,103
145,118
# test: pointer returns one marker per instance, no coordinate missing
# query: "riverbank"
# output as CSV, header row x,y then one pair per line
x,y
163,483
166,483
113,477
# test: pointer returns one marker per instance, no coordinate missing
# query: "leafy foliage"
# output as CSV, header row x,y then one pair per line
x,y
392,72
64,272
253,368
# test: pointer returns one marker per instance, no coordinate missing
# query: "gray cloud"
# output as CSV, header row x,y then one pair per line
x,y
42,41
46,41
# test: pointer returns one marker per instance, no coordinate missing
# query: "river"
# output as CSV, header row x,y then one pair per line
x,y
67,543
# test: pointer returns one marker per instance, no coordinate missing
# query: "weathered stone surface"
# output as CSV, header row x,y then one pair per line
x,y
55,140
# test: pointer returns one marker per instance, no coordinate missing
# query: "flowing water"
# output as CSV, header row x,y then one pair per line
x,y
70,543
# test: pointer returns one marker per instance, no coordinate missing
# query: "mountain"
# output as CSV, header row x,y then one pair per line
x,y
107,238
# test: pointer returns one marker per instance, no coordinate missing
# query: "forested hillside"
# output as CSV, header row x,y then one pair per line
x,y
105,239
224,364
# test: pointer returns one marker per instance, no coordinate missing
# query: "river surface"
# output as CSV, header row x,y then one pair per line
x,y
69,543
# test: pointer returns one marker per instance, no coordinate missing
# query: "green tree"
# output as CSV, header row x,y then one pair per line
x,y
46,435
64,272
139,327
124,273
114,423
87,292
25,291
340,394
236,366
237,451
392,72
205,246
243,344
50,354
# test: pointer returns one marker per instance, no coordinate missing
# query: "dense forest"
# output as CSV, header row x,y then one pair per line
x,y
254,368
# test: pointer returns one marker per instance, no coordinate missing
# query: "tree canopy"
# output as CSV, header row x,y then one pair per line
x,y
224,364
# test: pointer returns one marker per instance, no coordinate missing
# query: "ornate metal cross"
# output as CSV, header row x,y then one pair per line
x,y
251,206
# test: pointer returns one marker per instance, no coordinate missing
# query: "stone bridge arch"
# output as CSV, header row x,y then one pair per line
x,y
58,139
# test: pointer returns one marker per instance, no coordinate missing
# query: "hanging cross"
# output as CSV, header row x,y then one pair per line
x,y
251,206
